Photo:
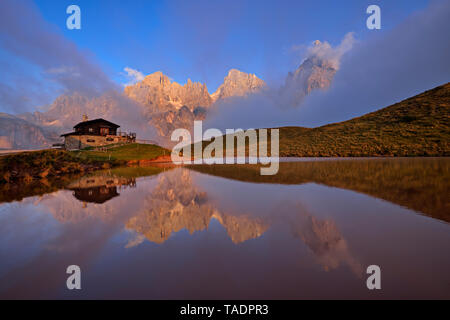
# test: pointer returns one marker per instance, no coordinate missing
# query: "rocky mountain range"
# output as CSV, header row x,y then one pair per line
x,y
16,133
169,105
158,93
314,72
156,102
238,84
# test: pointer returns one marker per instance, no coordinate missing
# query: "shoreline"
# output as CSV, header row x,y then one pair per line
x,y
35,165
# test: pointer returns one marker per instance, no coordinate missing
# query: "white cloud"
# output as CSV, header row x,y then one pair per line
x,y
133,76
325,51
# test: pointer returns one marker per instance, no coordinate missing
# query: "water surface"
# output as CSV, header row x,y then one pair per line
x,y
226,232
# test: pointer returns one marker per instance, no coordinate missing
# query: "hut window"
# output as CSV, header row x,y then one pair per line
x,y
91,130
90,140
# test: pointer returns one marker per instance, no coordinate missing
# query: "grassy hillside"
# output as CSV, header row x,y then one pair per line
x,y
28,166
34,165
133,151
418,126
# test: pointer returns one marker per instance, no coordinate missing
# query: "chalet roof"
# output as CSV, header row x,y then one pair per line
x,y
69,134
96,121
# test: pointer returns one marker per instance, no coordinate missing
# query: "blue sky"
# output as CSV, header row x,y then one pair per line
x,y
202,40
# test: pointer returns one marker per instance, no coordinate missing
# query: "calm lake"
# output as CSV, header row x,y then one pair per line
x,y
224,231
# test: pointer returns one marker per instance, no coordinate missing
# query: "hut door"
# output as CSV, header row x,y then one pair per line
x,y
104,131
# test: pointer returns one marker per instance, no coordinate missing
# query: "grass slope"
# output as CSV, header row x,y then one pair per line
x,y
418,126
28,166
133,151
46,163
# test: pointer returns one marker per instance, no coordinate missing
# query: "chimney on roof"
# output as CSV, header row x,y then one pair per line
x,y
85,117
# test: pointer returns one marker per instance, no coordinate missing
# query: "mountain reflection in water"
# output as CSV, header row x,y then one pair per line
x,y
176,204
199,235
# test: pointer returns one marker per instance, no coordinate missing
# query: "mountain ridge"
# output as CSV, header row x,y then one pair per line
x,y
238,84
